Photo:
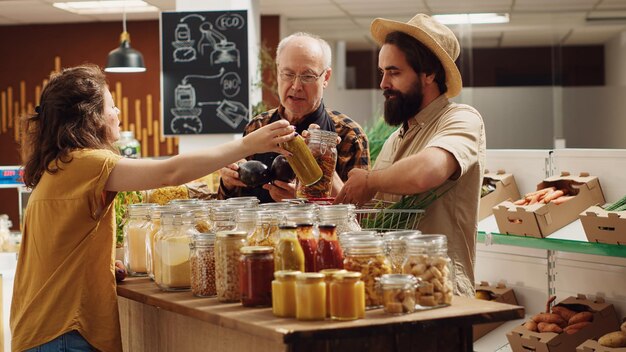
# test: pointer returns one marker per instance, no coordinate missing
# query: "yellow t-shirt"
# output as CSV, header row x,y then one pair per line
x,y
65,277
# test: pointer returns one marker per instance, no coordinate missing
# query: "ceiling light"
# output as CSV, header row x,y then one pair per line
x,y
473,18
125,59
103,7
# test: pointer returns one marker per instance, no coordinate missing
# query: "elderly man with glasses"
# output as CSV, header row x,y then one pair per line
x,y
303,62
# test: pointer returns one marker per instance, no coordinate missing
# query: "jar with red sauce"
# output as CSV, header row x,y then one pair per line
x,y
328,254
308,243
256,272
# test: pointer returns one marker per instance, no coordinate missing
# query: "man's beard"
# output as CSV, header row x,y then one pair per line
x,y
403,106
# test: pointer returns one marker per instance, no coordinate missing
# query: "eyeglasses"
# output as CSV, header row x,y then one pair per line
x,y
304,79
117,110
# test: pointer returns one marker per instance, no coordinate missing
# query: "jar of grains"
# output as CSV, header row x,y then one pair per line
x,y
203,265
427,259
323,146
227,251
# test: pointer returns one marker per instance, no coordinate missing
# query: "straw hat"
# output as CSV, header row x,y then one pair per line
x,y
435,36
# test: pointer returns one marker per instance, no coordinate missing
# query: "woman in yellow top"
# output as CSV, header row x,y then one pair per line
x,y
64,294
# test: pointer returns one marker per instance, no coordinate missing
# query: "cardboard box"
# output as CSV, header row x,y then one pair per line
x,y
604,321
499,293
506,189
604,226
594,346
540,220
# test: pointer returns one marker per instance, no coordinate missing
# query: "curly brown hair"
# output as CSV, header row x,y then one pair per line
x,y
69,117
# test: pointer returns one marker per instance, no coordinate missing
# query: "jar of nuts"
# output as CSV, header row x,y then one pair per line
x,y
366,255
203,265
398,293
227,246
427,259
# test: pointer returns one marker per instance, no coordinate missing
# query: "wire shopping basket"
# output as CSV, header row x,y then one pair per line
x,y
379,217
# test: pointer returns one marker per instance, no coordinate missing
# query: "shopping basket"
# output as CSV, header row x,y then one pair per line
x,y
379,217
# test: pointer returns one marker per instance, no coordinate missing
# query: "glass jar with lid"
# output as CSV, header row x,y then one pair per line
x,y
245,219
398,293
310,296
200,213
266,229
247,202
222,218
328,278
227,252
155,226
323,146
347,296
395,247
136,230
172,264
366,255
302,161
347,236
284,293
427,259
342,215
329,254
256,272
288,254
203,265
128,145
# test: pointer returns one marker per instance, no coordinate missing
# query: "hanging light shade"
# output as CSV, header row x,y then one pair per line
x,y
125,59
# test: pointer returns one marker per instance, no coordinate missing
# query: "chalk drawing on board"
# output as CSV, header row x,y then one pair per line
x,y
184,50
231,84
231,112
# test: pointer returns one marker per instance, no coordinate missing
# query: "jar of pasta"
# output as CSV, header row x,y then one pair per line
x,y
342,215
203,265
288,254
256,272
366,255
347,296
227,252
310,296
323,146
427,259
136,229
284,293
395,247
172,264
398,293
266,229
155,226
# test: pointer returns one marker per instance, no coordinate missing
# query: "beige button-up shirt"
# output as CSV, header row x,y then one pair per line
x,y
458,129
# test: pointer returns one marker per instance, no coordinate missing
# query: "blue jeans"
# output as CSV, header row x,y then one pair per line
x,y
68,342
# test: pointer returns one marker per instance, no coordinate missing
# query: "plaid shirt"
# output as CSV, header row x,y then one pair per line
x,y
352,151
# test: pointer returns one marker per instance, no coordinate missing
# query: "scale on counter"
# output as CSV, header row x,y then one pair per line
x,y
11,176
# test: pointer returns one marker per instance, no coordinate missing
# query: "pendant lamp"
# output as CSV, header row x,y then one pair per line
x,y
125,59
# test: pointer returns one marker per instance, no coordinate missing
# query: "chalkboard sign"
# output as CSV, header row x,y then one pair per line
x,y
204,58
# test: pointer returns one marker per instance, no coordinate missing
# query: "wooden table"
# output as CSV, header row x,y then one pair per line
x,y
153,320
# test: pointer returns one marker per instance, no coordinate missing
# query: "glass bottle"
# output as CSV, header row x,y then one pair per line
x,y
310,296
288,254
284,293
256,272
128,145
203,265
302,161
395,247
328,254
266,229
328,278
427,259
366,255
306,237
227,252
155,226
398,293
222,218
323,146
172,264
342,215
347,296
136,229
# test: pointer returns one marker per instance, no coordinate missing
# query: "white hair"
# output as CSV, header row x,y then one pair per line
x,y
326,52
